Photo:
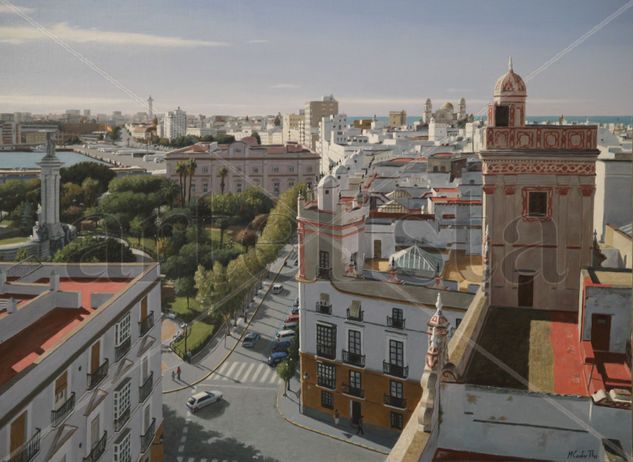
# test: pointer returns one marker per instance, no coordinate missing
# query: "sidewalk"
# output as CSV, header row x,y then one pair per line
x,y
375,439
196,371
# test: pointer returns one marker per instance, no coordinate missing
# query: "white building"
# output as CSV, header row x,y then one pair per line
x,y
80,362
175,124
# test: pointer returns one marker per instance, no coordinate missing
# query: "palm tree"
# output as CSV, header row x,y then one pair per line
x,y
181,170
192,165
223,173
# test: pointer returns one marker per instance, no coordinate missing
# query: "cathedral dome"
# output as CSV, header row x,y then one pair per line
x,y
510,84
448,106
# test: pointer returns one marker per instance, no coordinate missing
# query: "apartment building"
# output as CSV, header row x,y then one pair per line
x,y
397,119
274,168
175,124
80,362
363,319
314,112
291,127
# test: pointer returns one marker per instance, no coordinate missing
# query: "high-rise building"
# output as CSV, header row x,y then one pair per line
x,y
314,112
175,123
397,118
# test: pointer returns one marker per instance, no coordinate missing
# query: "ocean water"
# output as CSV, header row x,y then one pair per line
x,y
13,159
531,119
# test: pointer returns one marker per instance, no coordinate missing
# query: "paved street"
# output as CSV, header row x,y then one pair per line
x,y
245,425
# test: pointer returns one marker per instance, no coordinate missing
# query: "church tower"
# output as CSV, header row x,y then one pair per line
x,y
538,203
428,111
462,109
50,194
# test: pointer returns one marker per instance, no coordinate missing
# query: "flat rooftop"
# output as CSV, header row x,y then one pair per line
x,y
539,350
25,347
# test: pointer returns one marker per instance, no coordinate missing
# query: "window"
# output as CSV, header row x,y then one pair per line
x,y
61,389
324,259
275,169
205,169
122,330
397,314
355,380
537,203
502,116
353,341
326,375
397,421
326,340
458,321
122,449
205,187
276,188
309,169
326,399
396,352
255,170
291,169
238,187
395,389
193,187
122,400
291,183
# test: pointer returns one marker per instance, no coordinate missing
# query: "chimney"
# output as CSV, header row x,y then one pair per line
x,y
54,281
11,306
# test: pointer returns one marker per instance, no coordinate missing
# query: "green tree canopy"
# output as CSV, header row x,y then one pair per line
x,y
78,173
95,249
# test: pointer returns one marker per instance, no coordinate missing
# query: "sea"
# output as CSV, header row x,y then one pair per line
x,y
28,160
533,119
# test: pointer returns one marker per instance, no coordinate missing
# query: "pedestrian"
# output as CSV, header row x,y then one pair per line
x,y
173,375
178,372
359,430
337,417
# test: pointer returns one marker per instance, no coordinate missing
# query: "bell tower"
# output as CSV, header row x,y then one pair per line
x,y
508,106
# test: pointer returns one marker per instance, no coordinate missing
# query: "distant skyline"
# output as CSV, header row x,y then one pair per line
x,y
246,57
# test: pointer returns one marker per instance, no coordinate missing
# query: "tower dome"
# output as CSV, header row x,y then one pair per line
x,y
448,106
510,84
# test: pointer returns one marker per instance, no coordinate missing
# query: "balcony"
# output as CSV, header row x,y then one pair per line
x,y
146,389
323,308
146,324
395,370
98,375
397,323
355,359
393,401
326,382
98,449
354,315
326,351
59,414
146,439
325,273
121,350
121,420
28,450
353,391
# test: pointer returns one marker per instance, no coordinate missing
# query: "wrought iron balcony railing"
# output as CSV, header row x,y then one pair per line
x,y
354,391
59,414
324,308
358,316
95,378
325,273
122,419
146,324
121,350
395,370
28,450
355,359
326,382
394,401
146,389
147,438
98,449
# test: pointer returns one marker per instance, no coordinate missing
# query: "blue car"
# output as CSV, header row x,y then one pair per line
x,y
284,345
250,340
277,357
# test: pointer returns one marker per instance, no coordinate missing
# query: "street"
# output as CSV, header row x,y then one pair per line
x,y
245,425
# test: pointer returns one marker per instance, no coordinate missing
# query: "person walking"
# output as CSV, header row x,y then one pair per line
x,y
359,430
178,372
337,417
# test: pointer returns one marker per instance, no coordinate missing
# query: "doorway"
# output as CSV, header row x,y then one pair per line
x,y
355,412
526,290
377,249
600,331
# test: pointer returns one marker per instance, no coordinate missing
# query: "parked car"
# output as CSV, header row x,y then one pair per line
x,y
282,345
292,317
250,339
203,399
277,357
277,288
285,334
291,324
294,310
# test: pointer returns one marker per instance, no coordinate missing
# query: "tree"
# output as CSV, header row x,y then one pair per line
x,y
192,165
185,287
278,120
95,249
91,190
255,135
78,173
14,192
181,170
223,173
286,370
246,237
22,254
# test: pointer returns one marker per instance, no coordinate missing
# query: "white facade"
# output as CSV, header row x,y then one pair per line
x,y
613,191
175,124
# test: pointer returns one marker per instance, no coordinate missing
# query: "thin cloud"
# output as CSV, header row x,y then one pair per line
x,y
60,101
398,101
285,86
255,41
6,9
69,34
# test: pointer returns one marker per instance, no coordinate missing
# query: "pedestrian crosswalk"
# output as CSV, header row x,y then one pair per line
x,y
245,372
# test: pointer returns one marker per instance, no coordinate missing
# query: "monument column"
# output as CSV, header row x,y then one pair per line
x,y
50,180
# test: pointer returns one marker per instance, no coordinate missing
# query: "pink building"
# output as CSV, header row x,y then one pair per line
x,y
274,168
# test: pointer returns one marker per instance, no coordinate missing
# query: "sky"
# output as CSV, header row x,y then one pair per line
x,y
243,57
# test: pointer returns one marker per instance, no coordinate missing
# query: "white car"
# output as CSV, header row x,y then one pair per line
x,y
203,399
277,288
286,334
